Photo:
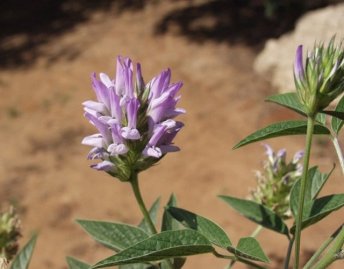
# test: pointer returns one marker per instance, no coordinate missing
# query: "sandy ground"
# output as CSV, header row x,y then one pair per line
x,y
44,168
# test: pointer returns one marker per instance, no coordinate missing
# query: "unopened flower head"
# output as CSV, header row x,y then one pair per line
x,y
9,234
135,121
276,180
320,79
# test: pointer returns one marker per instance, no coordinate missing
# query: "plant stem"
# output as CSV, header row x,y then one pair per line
x,y
255,233
136,189
338,151
310,129
250,263
287,258
331,255
324,245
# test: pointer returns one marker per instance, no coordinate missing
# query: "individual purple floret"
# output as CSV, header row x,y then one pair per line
x,y
134,121
298,65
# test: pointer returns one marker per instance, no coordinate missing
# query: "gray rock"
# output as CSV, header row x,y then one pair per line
x,y
276,59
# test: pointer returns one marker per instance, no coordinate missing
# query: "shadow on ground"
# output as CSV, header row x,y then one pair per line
x,y
26,25
237,21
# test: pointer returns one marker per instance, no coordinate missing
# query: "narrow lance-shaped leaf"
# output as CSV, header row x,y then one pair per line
x,y
337,114
23,258
319,181
291,101
257,213
281,129
336,123
116,236
316,210
177,263
249,248
315,182
137,266
161,246
168,222
288,100
153,212
295,191
213,232
76,264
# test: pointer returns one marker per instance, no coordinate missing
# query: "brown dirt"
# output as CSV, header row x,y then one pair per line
x,y
44,169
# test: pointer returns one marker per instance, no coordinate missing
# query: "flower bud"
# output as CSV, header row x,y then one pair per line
x,y
320,79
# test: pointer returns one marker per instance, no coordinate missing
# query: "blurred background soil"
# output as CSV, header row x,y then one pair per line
x,y
48,50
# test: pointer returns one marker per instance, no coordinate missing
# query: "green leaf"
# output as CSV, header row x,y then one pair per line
x,y
168,222
249,248
288,100
291,101
137,266
336,123
22,259
318,182
295,191
116,236
177,263
153,212
315,182
165,245
337,114
257,213
213,232
76,264
316,210
281,129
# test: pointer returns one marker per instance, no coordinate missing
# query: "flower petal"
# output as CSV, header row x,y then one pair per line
x,y
95,140
104,166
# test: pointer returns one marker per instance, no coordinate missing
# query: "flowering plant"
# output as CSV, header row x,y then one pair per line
x,y
136,128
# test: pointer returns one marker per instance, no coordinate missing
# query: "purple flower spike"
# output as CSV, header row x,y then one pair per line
x,y
298,65
124,106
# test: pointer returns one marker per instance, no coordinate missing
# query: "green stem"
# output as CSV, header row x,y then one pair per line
x,y
250,263
136,189
339,152
316,255
254,234
310,128
287,258
332,254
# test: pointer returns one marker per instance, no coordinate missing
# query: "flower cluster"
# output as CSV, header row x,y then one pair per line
x,y
9,234
321,79
275,182
134,119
